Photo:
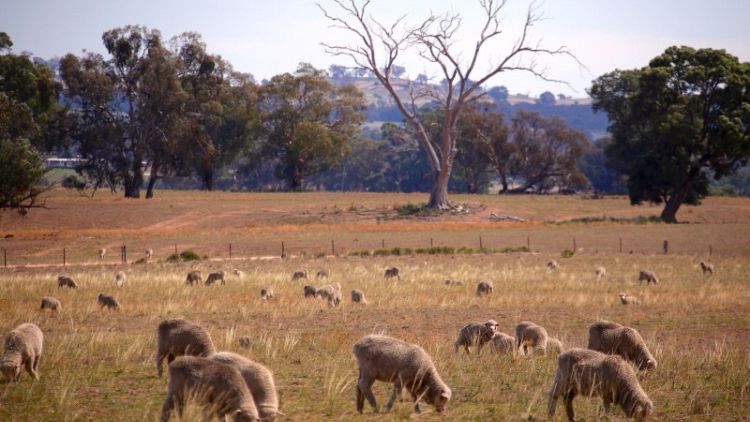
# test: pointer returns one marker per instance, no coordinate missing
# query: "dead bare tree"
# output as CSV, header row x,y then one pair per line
x,y
434,41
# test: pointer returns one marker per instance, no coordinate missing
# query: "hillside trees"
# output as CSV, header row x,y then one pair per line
x,y
27,102
677,122
378,47
306,123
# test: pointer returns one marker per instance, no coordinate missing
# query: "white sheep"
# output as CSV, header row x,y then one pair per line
x,y
23,348
259,380
600,272
217,386
475,334
299,274
392,272
193,277
707,268
322,274
176,337
383,358
591,373
214,277
310,291
531,337
65,281
149,254
121,278
552,265
647,276
331,293
102,253
502,343
612,338
627,299
266,293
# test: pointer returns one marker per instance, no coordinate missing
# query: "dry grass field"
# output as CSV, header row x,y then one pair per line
x,y
99,365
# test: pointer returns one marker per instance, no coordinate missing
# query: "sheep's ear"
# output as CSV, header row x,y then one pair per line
x,y
445,394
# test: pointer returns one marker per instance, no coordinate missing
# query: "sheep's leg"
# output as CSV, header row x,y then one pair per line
x,y
394,395
416,400
554,393
36,363
365,386
569,406
166,408
159,364
29,364
360,399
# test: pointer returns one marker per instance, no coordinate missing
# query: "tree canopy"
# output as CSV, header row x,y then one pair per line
x,y
676,123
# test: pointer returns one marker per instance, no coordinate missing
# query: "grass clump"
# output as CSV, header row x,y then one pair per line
x,y
514,249
185,256
567,253
641,219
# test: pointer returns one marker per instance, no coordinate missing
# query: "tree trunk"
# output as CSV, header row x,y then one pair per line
x,y
152,179
208,179
295,179
669,213
504,181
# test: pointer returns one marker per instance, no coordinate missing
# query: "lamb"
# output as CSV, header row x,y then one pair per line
x,y
121,278
310,291
149,254
107,301
358,296
331,293
65,281
475,334
322,274
552,265
214,277
383,358
102,253
555,346
450,282
193,277
484,288
591,373
648,277
531,336
392,272
217,386
707,268
23,348
266,293
627,299
502,343
299,274
259,380
615,339
600,272
176,337
238,273
51,303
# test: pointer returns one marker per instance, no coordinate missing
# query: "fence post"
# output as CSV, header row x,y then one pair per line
x,y
124,254
283,253
620,245
480,242
5,258
175,249
382,243
575,247
430,242
528,243
333,247
230,251
666,247
64,263
710,250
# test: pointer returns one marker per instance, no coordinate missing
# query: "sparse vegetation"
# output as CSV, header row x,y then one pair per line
x,y
185,256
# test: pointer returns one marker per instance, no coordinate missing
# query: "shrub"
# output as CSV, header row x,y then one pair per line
x,y
567,253
185,256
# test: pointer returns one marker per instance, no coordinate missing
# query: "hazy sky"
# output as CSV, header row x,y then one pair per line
x,y
270,37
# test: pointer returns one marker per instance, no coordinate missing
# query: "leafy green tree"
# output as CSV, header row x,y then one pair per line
x,y
27,100
485,145
673,121
306,123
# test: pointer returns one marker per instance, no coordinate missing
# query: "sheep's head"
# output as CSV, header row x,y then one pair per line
x,y
11,371
439,397
641,410
242,415
648,364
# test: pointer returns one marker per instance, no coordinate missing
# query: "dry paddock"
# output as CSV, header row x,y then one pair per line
x,y
99,365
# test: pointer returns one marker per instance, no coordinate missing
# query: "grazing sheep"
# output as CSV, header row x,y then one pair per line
x,y
392,272
121,278
615,339
502,343
331,293
238,273
310,291
193,277
23,348
475,334
214,277
450,282
531,336
707,268
217,386
484,288
299,274
552,265
259,380
266,293
383,358
322,274
600,272
102,253
627,299
555,346
594,374
51,303
107,301
648,277
176,337
358,296
149,254
65,281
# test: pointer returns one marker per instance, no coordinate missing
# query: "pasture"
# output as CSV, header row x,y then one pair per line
x,y
99,364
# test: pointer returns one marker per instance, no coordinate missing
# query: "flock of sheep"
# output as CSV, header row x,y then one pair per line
x,y
228,384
